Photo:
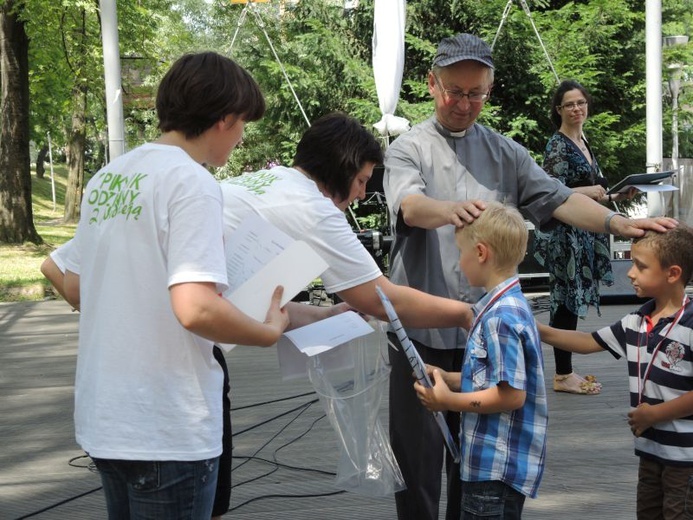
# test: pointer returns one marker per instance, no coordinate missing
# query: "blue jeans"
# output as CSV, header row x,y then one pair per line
x,y
491,500
158,490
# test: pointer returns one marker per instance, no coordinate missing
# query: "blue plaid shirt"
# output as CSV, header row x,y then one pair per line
x,y
505,346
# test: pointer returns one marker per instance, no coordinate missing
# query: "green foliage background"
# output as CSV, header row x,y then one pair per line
x,y
325,52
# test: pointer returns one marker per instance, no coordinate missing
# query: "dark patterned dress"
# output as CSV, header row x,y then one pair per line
x,y
576,260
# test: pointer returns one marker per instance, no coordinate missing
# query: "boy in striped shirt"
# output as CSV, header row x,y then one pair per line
x,y
501,386
656,340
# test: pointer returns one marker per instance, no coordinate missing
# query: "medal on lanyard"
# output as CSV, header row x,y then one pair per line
x,y
642,379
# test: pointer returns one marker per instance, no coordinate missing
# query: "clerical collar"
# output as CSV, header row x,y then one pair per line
x,y
447,133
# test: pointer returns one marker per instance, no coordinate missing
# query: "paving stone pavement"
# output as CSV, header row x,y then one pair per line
x,y
590,473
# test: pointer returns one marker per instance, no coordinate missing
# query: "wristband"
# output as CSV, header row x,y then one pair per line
x,y
607,220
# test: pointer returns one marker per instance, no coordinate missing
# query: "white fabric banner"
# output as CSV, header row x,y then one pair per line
x,y
388,62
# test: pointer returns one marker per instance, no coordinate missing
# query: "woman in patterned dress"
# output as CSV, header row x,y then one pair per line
x,y
577,260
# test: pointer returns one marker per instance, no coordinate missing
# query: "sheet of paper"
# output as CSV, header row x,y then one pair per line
x,y
322,337
651,188
262,260
328,333
250,247
293,364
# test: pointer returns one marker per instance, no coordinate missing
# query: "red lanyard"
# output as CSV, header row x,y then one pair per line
x,y
491,302
642,379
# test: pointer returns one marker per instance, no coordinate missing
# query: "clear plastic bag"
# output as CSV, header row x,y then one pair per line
x,y
351,397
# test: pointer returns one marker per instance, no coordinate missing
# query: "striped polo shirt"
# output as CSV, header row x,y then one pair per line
x,y
664,354
505,346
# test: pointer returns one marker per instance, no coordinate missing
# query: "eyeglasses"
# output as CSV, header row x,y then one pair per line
x,y
570,106
458,95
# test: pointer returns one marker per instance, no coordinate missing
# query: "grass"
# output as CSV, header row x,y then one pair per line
x,y
20,275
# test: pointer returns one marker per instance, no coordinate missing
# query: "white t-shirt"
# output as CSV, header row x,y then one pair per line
x,y
58,255
146,388
293,203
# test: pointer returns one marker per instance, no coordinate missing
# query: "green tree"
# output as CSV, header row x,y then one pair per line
x,y
324,55
598,42
678,59
68,78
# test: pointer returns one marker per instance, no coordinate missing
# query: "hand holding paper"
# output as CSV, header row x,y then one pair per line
x,y
259,258
277,316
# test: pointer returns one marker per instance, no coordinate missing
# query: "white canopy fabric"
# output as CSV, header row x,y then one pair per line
x,y
388,62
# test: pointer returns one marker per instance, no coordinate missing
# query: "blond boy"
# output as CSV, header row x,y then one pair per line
x,y
656,340
501,386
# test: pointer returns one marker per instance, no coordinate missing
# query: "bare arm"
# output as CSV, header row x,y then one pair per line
x,y
301,314
599,194
427,213
415,308
202,311
621,196
582,212
71,288
497,399
645,415
596,192
54,275
570,340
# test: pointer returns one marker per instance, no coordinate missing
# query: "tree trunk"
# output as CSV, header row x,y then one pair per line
x,y
76,145
16,216
40,159
75,156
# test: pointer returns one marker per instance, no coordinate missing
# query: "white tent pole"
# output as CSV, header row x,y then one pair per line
x,y
653,98
111,62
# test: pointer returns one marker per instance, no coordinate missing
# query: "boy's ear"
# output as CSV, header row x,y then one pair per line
x,y
674,273
482,252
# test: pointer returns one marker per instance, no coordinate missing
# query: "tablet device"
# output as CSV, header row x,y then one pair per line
x,y
639,179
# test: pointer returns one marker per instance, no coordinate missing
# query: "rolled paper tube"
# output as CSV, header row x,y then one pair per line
x,y
417,365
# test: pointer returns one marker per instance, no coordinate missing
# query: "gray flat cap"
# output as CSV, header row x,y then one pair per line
x,y
462,47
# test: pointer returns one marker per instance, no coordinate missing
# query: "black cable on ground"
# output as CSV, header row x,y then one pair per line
x,y
273,401
331,493
59,503
277,465
90,466
275,417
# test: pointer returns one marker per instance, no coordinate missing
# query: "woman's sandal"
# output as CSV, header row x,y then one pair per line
x,y
575,384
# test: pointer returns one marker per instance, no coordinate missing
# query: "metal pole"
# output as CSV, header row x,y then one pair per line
x,y
674,82
653,98
111,65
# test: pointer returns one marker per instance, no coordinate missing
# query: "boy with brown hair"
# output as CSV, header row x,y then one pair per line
x,y
656,340
501,386
145,268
